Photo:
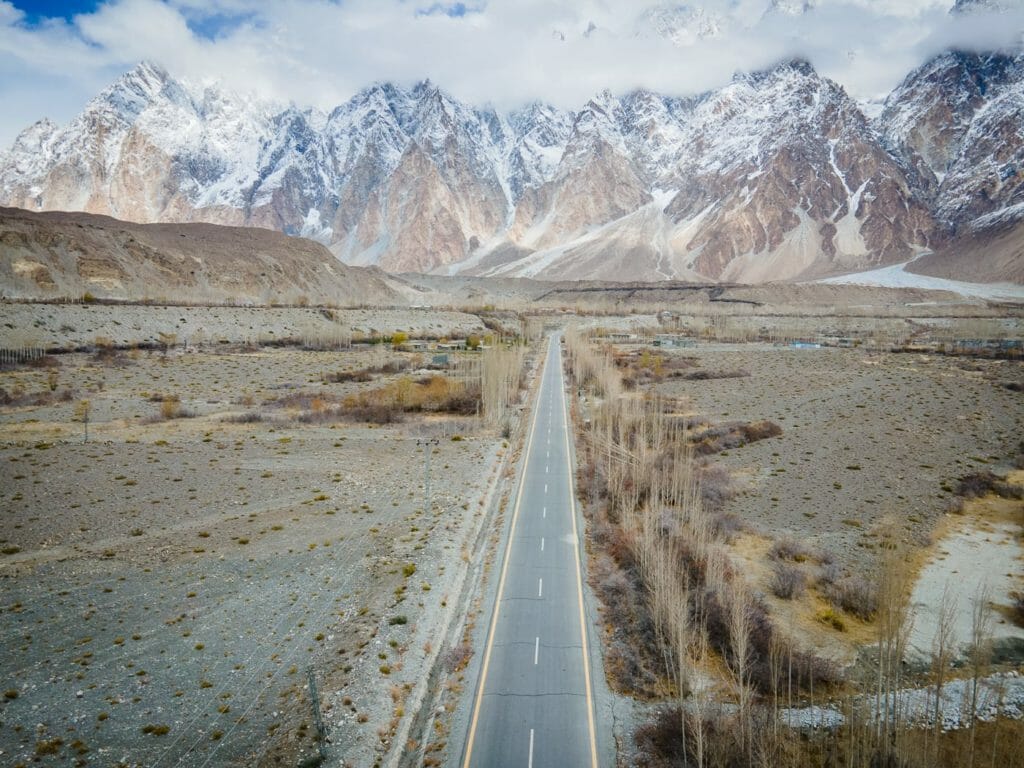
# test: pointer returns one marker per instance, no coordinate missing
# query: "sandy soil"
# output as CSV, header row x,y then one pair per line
x,y
981,549
186,573
75,325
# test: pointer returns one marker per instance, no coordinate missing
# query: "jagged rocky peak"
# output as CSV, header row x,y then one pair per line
x,y
136,90
925,117
954,123
33,138
786,172
777,174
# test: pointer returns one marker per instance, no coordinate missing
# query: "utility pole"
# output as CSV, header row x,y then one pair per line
x,y
428,446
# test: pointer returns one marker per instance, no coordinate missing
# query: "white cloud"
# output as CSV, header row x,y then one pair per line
x,y
505,52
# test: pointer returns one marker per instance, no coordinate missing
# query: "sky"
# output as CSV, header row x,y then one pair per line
x,y
55,56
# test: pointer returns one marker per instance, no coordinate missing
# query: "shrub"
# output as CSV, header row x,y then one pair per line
x,y
458,656
715,486
721,437
398,620
374,414
339,377
170,408
853,594
249,417
106,353
1017,607
707,375
397,365
46,361
760,430
831,618
980,484
788,548
788,581
49,746
633,655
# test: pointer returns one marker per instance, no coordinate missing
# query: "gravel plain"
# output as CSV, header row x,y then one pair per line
x,y
74,325
166,586
869,440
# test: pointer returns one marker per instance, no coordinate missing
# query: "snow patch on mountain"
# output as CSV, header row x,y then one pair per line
x,y
776,175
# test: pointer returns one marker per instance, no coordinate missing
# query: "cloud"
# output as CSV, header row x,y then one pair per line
x,y
503,52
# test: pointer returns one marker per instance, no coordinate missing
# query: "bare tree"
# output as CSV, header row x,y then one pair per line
x,y
739,641
943,645
893,625
979,654
500,370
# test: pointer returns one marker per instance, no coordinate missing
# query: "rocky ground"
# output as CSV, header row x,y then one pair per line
x,y
68,326
867,438
166,586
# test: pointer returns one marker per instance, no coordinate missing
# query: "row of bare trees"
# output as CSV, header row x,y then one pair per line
x,y
501,369
643,482
649,488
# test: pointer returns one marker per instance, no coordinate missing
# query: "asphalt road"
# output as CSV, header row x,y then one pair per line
x,y
534,704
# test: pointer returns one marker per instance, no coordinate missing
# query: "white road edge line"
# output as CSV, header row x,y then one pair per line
x,y
579,581
501,588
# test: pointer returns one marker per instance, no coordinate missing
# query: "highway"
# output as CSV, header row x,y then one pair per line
x,y
533,705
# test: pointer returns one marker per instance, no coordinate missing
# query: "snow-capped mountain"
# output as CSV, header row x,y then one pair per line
x,y
958,123
777,175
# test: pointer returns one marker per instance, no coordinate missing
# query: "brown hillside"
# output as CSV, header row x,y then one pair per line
x,y
57,254
990,256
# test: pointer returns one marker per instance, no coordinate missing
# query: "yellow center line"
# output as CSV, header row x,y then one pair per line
x,y
501,586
